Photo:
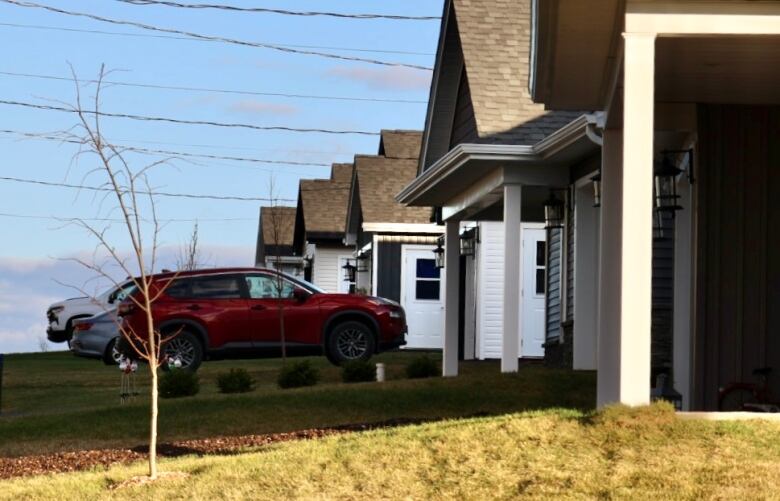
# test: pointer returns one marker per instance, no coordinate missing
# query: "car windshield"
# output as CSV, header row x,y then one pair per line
x,y
303,283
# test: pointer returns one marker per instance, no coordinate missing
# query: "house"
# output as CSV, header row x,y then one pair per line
x,y
393,243
275,241
689,95
491,160
319,228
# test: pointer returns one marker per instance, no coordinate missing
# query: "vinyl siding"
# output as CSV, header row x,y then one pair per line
x,y
464,125
490,292
570,245
327,272
553,299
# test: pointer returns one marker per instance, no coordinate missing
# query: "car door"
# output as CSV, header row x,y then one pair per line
x,y
216,302
271,296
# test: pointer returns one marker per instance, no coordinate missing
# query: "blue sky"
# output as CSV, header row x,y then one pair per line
x,y
32,249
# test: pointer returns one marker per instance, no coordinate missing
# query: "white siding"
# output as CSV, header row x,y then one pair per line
x,y
326,271
490,286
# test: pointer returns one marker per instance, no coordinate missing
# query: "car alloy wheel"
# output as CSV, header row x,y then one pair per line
x,y
352,343
181,349
116,355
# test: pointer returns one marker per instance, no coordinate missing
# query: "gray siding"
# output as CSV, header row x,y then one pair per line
x,y
388,279
553,297
464,125
570,258
663,298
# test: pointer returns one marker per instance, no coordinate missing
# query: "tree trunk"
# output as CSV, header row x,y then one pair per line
x,y
153,426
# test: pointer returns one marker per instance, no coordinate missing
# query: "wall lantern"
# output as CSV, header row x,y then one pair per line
x,y
438,253
362,262
468,242
666,174
349,271
596,180
554,212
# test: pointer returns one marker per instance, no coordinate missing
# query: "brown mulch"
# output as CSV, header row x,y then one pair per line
x,y
64,462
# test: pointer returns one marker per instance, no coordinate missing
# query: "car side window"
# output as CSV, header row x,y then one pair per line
x,y
215,287
268,287
179,289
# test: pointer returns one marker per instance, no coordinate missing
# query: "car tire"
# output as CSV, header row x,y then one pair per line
x,y
112,353
349,341
188,348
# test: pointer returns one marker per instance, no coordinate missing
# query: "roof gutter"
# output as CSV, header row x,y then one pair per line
x,y
542,152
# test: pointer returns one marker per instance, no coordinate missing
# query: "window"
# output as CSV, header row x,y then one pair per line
x,y
427,280
216,287
268,287
179,289
541,255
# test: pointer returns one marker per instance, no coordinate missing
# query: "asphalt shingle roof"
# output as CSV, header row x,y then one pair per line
x,y
285,217
325,200
400,143
495,38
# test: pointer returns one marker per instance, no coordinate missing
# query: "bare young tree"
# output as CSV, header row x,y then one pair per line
x,y
130,195
277,220
189,258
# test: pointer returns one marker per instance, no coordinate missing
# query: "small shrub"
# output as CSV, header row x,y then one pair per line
x,y
235,381
178,383
422,367
358,371
298,374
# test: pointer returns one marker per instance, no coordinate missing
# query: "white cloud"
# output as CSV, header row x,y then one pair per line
x,y
390,78
254,107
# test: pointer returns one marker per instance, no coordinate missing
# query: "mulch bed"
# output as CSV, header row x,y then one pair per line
x,y
64,462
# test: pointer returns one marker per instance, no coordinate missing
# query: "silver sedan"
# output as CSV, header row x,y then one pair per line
x,y
96,337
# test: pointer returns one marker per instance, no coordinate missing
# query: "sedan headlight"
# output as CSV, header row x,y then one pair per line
x,y
397,314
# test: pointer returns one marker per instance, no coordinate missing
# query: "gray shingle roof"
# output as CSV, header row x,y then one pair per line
x,y
285,219
495,38
325,200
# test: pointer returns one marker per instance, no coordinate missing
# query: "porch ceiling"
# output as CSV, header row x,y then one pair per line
x,y
734,70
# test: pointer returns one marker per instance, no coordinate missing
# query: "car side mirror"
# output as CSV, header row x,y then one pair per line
x,y
300,294
112,298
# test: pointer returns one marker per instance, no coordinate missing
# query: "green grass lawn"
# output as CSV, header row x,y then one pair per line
x,y
56,402
552,454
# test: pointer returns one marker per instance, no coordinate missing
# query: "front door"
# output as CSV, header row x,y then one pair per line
x,y
534,251
422,297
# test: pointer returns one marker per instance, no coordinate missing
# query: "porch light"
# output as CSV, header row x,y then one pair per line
x,y
596,180
666,196
468,242
438,253
349,272
362,262
553,212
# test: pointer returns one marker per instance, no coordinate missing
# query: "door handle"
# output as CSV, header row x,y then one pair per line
x,y
258,307
193,307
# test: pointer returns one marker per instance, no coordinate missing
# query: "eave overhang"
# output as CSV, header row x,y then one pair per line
x,y
466,163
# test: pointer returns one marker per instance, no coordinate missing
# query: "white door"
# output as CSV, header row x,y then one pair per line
x,y
422,295
534,280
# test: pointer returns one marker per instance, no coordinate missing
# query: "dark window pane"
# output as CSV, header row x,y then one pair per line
x,y
540,280
217,287
541,251
179,289
426,268
427,289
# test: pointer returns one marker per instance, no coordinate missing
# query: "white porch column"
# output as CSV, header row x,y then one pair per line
x,y
626,286
510,344
449,364
586,279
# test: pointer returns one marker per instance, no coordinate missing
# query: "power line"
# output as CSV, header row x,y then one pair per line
x,y
190,39
138,192
207,89
280,11
143,118
45,137
212,38
117,220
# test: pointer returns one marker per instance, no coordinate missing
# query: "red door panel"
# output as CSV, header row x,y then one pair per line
x,y
269,301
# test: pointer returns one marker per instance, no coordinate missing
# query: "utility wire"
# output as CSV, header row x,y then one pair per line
x,y
190,39
211,38
117,220
207,89
154,193
143,118
33,135
280,11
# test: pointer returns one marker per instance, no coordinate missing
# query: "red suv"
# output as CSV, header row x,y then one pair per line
x,y
234,312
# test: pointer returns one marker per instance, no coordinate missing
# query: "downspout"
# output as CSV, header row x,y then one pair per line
x,y
595,122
